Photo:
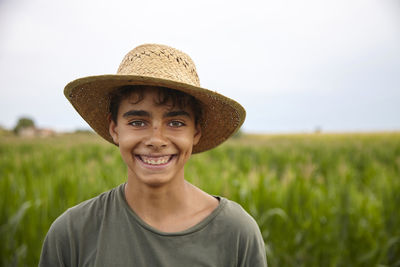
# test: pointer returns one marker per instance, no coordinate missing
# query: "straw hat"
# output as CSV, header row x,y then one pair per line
x,y
156,65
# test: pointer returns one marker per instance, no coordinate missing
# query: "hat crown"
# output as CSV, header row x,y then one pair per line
x,y
160,61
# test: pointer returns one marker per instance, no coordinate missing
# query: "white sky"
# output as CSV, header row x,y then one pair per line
x,y
294,65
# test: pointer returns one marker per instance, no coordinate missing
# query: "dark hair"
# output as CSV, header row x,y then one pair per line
x,y
165,96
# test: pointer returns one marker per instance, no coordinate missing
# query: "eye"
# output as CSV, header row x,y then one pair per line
x,y
176,124
137,123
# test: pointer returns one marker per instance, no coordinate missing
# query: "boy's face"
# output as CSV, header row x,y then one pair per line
x,y
155,141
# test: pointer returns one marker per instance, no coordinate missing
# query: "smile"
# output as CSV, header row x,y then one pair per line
x,y
155,160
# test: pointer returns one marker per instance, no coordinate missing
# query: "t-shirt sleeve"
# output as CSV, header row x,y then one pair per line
x,y
56,248
253,248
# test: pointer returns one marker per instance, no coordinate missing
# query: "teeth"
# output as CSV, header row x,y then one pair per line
x,y
155,161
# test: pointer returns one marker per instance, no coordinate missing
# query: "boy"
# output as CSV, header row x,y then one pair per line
x,y
155,111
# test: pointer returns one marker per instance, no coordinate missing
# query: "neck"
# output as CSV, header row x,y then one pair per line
x,y
169,207
155,203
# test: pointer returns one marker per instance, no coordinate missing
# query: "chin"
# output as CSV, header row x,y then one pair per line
x,y
156,182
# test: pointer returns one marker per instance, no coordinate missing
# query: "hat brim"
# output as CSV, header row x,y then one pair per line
x,y
221,116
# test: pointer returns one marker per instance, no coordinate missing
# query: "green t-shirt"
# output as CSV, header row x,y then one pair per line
x,y
104,231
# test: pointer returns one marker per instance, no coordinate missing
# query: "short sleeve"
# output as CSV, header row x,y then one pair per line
x,y
56,248
250,243
253,249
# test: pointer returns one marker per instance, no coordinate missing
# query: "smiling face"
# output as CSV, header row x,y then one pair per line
x,y
155,140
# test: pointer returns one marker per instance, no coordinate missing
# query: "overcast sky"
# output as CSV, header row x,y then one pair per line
x,y
294,65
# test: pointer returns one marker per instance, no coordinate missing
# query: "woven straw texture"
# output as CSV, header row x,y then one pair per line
x,y
156,65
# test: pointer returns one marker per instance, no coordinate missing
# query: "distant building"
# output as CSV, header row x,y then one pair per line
x,y
29,132
45,132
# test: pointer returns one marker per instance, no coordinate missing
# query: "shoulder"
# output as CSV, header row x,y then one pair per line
x,y
85,212
245,232
236,217
76,226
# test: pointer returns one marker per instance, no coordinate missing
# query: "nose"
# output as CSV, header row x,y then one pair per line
x,y
156,138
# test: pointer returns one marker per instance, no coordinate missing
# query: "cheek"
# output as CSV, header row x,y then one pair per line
x,y
128,138
126,146
126,154
183,142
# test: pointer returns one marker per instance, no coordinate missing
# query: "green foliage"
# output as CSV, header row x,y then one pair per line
x,y
320,200
23,123
4,132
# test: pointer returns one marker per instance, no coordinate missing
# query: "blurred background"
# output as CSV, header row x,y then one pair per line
x,y
317,163
296,66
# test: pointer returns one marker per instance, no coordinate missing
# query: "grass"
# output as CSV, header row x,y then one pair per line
x,y
320,199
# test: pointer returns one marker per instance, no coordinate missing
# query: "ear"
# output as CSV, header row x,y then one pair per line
x,y
113,130
197,134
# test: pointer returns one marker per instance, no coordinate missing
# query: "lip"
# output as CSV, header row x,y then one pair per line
x,y
155,161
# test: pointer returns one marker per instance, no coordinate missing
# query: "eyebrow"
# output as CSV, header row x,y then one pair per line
x,y
176,113
139,113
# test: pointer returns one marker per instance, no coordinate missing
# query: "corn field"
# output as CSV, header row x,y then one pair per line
x,y
319,199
